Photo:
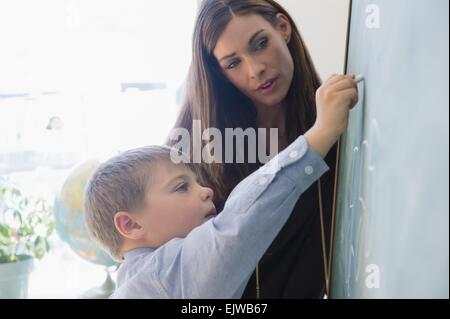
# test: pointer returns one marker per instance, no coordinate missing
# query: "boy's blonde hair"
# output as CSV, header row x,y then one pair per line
x,y
120,184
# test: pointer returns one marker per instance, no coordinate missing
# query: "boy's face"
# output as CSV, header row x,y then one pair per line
x,y
176,203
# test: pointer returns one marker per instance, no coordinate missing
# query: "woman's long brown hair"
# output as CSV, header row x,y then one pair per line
x,y
217,103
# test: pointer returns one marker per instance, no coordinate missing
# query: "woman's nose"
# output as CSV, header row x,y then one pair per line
x,y
255,68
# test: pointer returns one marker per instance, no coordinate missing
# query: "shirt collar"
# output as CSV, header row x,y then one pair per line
x,y
136,252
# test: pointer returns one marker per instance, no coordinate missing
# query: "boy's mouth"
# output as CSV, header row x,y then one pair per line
x,y
212,213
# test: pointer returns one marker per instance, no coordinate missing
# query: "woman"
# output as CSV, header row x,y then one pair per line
x,y
240,47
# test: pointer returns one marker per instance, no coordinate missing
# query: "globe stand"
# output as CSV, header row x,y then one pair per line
x,y
103,291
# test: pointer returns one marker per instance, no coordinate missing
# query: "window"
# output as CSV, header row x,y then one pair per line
x,y
84,80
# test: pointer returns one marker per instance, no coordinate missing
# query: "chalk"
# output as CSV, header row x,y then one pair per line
x,y
359,78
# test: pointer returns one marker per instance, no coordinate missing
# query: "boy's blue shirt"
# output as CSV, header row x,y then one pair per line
x,y
218,257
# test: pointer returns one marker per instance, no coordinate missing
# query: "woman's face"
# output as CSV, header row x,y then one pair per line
x,y
251,52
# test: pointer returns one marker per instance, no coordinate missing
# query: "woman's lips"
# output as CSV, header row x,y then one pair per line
x,y
267,87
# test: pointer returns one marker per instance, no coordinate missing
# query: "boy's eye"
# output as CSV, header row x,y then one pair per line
x,y
182,188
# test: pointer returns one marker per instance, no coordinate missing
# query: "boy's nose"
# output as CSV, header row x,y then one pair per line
x,y
207,193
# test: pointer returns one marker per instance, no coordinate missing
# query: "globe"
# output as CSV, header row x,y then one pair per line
x,y
69,216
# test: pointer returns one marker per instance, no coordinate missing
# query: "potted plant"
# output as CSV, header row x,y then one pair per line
x,y
25,226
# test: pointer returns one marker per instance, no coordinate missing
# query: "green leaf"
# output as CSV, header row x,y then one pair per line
x,y
38,241
16,192
18,216
5,230
39,254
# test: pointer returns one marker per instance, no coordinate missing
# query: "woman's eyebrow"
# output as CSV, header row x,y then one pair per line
x,y
252,39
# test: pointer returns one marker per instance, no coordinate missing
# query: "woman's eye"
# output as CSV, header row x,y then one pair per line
x,y
232,65
262,44
182,188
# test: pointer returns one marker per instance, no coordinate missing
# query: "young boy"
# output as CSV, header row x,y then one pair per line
x,y
154,216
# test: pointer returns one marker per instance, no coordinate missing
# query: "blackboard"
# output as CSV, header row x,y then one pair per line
x,y
391,236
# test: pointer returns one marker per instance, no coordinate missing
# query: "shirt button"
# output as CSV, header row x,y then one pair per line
x,y
309,170
263,180
293,154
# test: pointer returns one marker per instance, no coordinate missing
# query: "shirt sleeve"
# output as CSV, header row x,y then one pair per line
x,y
216,258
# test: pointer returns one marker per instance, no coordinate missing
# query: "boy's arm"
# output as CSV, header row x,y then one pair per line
x,y
218,257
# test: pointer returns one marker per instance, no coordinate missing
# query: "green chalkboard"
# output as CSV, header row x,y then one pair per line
x,y
392,208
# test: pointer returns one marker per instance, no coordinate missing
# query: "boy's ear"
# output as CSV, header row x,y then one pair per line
x,y
127,226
